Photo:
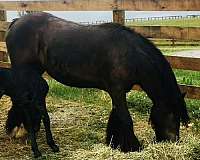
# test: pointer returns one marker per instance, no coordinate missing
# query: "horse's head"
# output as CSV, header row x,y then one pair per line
x,y
166,118
14,121
16,124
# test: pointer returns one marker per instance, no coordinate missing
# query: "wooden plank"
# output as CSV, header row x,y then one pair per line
x,y
192,92
169,32
187,63
119,16
3,56
3,47
4,65
102,5
2,35
3,16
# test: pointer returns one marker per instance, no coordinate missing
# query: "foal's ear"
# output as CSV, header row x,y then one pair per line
x,y
183,94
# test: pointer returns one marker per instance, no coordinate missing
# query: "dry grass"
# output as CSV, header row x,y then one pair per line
x,y
79,129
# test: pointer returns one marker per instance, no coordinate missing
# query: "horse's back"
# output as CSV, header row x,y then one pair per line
x,y
85,55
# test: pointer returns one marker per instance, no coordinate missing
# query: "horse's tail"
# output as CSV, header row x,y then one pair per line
x,y
9,27
185,119
6,34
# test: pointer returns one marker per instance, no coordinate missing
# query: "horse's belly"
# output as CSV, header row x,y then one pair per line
x,y
75,79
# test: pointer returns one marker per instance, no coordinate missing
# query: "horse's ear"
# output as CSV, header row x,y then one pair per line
x,y
183,94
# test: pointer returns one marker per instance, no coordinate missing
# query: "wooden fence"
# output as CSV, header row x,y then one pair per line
x,y
119,7
161,32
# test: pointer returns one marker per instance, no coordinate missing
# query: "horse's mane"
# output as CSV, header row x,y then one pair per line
x,y
115,26
164,72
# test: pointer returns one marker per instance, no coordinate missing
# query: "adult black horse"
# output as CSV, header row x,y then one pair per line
x,y
110,57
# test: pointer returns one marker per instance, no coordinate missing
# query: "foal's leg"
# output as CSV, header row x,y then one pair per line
x,y
29,127
120,126
46,121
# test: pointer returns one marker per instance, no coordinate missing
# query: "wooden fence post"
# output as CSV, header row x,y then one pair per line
x,y
119,16
3,17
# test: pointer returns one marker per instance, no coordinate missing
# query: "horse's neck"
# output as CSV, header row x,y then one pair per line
x,y
160,90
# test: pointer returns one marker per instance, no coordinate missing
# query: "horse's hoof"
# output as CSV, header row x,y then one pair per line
x,y
125,140
126,145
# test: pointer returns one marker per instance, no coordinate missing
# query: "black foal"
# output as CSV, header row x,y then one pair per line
x,y
29,106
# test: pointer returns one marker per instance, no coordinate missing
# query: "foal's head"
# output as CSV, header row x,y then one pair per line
x,y
17,120
166,118
16,116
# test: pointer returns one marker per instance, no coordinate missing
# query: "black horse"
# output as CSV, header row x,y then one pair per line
x,y
110,57
28,108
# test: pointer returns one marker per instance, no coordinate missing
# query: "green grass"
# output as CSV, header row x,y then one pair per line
x,y
187,77
185,22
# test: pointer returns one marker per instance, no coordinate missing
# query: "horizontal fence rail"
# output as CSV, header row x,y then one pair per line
x,y
192,92
176,62
3,47
187,63
102,5
169,32
164,32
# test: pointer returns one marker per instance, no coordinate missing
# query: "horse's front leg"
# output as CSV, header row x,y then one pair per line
x,y
120,126
46,121
31,132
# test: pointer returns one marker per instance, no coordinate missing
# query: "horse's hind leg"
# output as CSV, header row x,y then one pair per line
x,y
120,126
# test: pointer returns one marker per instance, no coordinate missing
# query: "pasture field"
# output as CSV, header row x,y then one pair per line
x,y
184,22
